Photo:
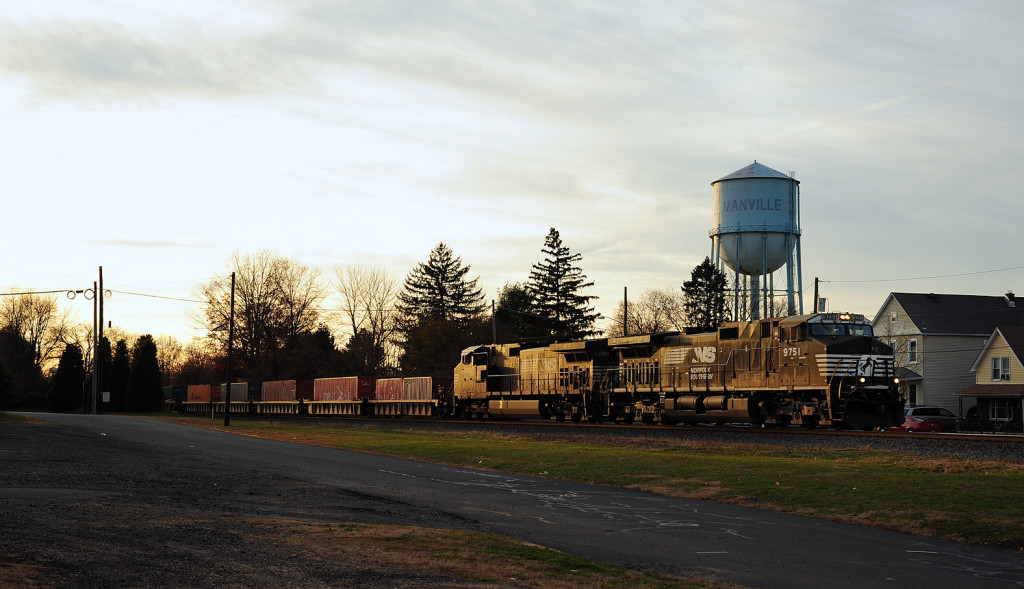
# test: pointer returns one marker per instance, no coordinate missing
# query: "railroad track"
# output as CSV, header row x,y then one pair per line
x,y
956,445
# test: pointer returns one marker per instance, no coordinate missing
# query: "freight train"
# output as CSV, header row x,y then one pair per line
x,y
821,369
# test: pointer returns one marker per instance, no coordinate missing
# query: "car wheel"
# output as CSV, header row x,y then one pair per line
x,y
910,430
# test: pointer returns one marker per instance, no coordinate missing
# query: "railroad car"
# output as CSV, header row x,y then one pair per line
x,y
819,369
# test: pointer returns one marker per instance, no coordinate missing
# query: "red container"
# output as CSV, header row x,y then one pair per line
x,y
343,388
425,388
390,389
200,393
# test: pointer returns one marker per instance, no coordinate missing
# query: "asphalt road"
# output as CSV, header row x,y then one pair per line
x,y
626,528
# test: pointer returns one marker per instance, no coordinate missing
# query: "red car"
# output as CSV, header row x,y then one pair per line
x,y
917,424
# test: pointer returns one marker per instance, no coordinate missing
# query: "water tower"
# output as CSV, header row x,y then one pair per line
x,y
757,232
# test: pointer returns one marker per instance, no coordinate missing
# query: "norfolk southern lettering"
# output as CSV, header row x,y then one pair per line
x,y
753,204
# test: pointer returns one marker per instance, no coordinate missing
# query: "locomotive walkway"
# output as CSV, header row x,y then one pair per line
x,y
627,528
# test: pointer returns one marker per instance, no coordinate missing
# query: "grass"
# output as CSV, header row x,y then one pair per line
x,y
958,498
10,417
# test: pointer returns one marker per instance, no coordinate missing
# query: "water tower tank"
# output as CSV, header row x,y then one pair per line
x,y
757,230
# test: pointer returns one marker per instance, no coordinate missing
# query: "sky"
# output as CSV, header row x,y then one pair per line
x,y
156,139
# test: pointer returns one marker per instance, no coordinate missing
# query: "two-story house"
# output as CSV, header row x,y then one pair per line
x,y
997,395
937,338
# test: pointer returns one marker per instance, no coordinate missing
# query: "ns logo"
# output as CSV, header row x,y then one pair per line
x,y
704,355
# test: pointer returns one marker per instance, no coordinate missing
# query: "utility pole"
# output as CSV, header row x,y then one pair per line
x,y
99,338
95,352
231,337
494,326
625,311
816,306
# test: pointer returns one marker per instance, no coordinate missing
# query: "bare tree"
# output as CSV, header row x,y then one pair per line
x,y
39,320
300,294
655,311
275,300
81,335
368,297
169,355
198,363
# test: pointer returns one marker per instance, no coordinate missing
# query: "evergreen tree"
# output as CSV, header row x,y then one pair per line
x,y
555,286
440,290
116,379
66,391
6,387
442,313
705,302
514,318
145,390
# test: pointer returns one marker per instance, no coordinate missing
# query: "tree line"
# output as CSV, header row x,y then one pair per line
x,y
284,329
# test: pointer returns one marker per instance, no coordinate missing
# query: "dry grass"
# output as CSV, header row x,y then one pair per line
x,y
466,559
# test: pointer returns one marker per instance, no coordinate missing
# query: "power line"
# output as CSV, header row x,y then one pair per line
x,y
923,277
153,296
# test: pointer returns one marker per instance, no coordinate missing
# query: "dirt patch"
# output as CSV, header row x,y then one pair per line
x,y
83,511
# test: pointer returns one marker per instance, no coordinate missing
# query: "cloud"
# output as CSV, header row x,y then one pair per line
x,y
107,62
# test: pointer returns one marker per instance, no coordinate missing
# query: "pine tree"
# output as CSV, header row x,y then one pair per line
x,y
67,390
705,297
514,316
442,313
116,379
439,290
145,390
555,285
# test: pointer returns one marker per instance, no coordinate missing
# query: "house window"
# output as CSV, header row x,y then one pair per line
x,y
999,409
892,317
912,394
1001,368
912,351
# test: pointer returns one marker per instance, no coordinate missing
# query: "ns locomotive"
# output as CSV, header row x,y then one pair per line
x,y
819,369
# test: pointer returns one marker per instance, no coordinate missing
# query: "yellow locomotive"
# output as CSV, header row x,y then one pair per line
x,y
820,369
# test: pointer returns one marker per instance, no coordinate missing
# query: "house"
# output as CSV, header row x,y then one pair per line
x,y
936,339
998,390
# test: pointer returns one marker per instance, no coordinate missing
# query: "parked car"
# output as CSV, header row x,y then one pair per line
x,y
917,424
940,415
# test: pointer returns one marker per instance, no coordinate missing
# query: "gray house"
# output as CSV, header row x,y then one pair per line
x,y
937,339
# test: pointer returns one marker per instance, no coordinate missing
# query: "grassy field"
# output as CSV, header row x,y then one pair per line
x,y
959,498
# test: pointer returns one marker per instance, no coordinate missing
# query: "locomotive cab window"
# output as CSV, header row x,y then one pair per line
x,y
863,330
830,329
796,334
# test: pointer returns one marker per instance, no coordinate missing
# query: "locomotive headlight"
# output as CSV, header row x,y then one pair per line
x,y
896,381
862,379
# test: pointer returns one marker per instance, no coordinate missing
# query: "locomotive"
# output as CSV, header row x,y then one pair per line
x,y
809,370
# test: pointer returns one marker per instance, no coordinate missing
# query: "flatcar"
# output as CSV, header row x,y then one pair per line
x,y
810,370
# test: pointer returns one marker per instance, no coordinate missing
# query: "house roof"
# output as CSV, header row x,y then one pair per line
x,y
1014,338
953,314
993,390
